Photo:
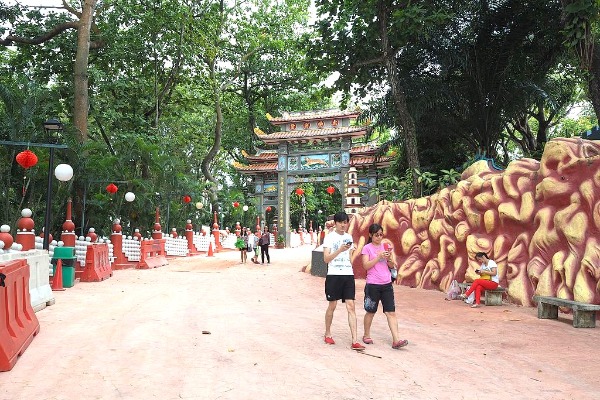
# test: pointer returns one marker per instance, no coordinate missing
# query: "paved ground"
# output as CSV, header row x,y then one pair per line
x,y
139,335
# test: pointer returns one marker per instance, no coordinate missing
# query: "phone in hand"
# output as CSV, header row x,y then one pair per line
x,y
387,247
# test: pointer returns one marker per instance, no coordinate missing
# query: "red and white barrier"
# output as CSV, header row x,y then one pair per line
x,y
18,323
97,264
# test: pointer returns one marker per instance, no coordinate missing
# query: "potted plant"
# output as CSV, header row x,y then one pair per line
x,y
280,242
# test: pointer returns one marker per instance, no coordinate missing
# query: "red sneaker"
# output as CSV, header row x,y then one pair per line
x,y
329,340
357,346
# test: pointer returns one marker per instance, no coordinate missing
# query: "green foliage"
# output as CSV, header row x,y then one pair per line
x,y
315,198
398,188
239,243
574,126
578,16
394,187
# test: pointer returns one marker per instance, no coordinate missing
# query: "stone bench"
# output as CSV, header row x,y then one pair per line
x,y
492,297
584,314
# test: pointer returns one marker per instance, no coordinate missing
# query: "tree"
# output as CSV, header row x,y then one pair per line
x,y
364,41
470,76
580,20
542,109
83,25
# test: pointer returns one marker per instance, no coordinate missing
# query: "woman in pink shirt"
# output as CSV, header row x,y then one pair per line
x,y
378,261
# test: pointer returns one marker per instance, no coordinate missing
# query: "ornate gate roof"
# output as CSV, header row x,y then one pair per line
x,y
313,127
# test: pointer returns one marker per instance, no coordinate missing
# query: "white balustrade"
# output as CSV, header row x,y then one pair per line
x,y
176,246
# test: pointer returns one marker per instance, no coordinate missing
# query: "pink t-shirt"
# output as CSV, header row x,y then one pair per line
x,y
379,274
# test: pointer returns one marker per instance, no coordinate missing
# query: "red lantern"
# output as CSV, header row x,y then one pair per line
x,y
26,159
187,199
299,191
236,204
112,188
330,189
268,209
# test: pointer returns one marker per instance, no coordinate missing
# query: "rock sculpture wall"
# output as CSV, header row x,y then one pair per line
x,y
540,221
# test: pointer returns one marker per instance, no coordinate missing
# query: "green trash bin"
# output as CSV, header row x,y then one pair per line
x,y
67,255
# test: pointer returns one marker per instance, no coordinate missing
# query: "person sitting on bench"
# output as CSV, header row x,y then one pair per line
x,y
488,280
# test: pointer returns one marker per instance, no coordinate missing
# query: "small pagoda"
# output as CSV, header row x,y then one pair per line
x,y
310,147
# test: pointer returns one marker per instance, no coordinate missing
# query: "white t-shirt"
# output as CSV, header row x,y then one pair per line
x,y
251,241
491,264
340,265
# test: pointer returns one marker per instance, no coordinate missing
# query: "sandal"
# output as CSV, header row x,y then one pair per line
x,y
357,346
367,340
399,344
329,340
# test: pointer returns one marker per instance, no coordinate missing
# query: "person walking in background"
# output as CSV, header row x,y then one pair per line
x,y
339,282
252,245
489,280
244,250
319,238
256,247
378,260
264,242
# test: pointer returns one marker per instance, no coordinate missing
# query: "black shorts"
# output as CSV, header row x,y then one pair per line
x,y
376,293
340,287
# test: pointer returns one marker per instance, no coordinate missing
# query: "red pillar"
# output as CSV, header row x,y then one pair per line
x,y
25,236
116,238
189,235
157,232
68,233
217,235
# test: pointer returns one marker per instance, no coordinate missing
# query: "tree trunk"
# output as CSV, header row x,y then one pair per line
x,y
214,150
405,122
248,98
81,96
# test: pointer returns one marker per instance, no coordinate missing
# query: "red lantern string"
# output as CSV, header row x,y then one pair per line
x,y
112,188
299,191
187,198
330,190
236,204
268,209
26,159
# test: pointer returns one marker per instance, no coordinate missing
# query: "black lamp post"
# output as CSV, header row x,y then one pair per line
x,y
53,128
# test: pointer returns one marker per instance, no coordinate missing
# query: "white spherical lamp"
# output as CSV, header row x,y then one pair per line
x,y
199,205
129,196
245,208
63,172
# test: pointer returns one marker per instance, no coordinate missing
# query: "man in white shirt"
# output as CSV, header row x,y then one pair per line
x,y
339,283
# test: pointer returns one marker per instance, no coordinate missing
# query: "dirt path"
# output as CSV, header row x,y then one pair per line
x,y
139,335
